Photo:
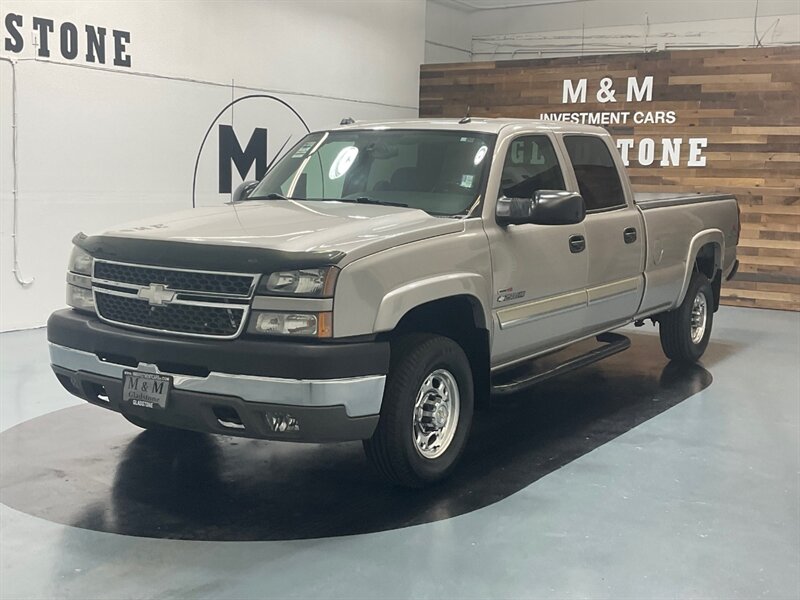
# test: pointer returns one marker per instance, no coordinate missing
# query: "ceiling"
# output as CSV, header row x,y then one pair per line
x,y
479,5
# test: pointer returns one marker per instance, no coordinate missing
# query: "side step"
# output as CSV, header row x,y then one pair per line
x,y
551,365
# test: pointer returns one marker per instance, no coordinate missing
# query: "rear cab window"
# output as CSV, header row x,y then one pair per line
x,y
597,174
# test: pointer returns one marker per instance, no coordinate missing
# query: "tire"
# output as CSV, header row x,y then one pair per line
x,y
423,362
676,326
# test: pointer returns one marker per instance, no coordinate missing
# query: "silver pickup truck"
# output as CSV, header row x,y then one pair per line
x,y
384,280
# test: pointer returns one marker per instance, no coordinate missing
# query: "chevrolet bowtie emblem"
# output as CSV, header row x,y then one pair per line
x,y
156,294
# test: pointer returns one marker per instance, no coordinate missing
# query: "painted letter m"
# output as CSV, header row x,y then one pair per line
x,y
231,152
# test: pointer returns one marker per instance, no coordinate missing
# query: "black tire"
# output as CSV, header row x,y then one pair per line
x,y
675,326
145,424
392,450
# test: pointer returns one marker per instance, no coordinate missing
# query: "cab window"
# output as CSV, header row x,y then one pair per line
x,y
596,172
531,164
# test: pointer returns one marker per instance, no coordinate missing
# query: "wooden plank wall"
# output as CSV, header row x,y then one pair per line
x,y
746,102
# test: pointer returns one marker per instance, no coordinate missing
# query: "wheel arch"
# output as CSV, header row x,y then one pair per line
x,y
462,318
400,301
705,253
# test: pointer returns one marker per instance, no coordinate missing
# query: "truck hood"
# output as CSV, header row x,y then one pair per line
x,y
292,226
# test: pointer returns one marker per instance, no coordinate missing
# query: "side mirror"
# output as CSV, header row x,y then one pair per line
x,y
244,190
547,207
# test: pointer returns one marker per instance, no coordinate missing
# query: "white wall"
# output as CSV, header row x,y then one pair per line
x,y
448,37
101,145
576,27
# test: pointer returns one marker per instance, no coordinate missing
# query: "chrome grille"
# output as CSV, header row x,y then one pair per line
x,y
175,279
179,318
179,301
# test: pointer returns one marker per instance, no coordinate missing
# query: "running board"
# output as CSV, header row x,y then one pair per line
x,y
519,378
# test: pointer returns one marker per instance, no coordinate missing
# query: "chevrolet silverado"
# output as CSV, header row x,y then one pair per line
x,y
385,279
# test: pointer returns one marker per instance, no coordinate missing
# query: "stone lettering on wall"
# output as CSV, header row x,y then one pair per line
x,y
89,43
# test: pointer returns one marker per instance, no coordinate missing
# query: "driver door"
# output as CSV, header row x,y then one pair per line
x,y
540,271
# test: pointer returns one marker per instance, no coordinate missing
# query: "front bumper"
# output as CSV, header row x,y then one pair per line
x,y
226,387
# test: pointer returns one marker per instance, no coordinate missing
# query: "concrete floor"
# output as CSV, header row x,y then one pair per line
x,y
698,500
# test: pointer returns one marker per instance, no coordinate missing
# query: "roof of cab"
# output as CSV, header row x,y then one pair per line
x,y
476,124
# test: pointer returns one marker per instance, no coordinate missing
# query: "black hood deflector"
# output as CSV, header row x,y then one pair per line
x,y
211,257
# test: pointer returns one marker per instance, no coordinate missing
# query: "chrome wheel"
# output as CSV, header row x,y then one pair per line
x,y
436,414
699,317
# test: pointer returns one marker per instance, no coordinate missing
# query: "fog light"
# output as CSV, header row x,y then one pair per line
x,y
299,324
287,323
282,422
80,298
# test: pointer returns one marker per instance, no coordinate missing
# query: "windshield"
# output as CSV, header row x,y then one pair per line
x,y
441,172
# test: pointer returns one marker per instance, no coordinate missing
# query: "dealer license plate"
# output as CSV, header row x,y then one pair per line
x,y
146,390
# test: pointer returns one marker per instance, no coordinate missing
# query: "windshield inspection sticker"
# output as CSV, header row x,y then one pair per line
x,y
303,150
466,180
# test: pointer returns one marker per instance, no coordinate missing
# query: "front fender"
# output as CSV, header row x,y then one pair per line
x,y
400,300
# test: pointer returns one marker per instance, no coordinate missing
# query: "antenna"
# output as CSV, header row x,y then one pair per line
x,y
466,118
347,121
277,154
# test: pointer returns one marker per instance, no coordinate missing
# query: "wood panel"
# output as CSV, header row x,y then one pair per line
x,y
746,102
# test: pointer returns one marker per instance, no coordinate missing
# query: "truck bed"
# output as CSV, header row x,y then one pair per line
x,y
648,200
678,225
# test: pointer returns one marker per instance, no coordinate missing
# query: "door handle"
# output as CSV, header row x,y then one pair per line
x,y
577,243
629,235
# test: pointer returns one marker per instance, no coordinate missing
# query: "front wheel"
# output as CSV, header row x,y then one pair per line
x,y
426,413
686,330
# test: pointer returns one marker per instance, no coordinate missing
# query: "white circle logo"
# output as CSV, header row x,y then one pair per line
x,y
343,161
480,154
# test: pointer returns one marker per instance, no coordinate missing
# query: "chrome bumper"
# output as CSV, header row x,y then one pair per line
x,y
360,396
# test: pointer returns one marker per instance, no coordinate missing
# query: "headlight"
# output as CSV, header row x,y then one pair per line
x,y
317,283
80,261
79,280
317,325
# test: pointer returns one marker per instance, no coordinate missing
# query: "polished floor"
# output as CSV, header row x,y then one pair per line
x,y
634,478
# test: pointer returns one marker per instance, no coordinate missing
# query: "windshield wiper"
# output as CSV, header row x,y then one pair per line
x,y
366,200
270,196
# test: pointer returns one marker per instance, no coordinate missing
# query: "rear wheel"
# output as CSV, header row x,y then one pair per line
x,y
686,330
426,412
